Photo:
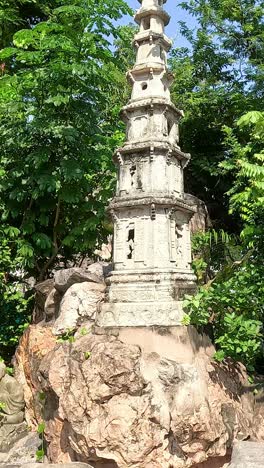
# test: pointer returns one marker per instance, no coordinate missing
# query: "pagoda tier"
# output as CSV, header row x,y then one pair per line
x,y
152,250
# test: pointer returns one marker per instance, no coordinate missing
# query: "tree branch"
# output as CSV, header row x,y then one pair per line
x,y
55,243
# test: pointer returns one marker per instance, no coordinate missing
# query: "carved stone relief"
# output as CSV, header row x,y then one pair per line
x,y
183,239
138,127
172,240
119,243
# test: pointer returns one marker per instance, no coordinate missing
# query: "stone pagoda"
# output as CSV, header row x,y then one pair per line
x,y
152,250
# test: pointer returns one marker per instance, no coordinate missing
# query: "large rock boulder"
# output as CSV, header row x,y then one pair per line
x,y
42,290
49,293
22,452
36,342
101,269
248,455
52,305
200,221
139,397
79,305
64,279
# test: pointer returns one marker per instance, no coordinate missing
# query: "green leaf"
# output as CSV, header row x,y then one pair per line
x,y
41,428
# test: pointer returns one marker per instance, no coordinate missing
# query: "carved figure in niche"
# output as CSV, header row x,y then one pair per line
x,y
145,24
11,399
156,51
133,171
179,235
143,52
131,242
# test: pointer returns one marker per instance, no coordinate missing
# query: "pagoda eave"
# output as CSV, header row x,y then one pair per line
x,y
149,68
150,103
152,146
155,36
152,11
169,202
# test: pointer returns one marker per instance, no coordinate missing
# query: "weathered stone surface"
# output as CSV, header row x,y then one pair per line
x,y
258,428
9,435
146,398
52,305
200,221
61,465
145,299
248,454
35,343
64,279
12,427
101,269
42,291
79,304
22,452
48,465
218,462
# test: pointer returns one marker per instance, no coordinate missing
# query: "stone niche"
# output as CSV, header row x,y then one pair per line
x,y
145,230
161,122
133,175
152,23
138,126
137,175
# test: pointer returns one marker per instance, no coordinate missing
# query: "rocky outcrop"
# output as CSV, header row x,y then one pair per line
x,y
36,342
71,297
23,452
52,305
145,398
64,279
200,221
101,269
42,291
79,305
248,455
47,465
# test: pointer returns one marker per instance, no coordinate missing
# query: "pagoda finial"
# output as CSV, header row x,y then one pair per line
x,y
147,3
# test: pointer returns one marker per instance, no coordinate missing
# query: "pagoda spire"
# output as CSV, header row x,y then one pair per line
x,y
152,250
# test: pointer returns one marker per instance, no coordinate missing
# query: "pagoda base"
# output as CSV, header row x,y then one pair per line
x,y
145,299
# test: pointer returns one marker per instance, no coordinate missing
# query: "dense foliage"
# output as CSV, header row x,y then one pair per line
x,y
218,79
14,306
220,85
59,125
57,132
